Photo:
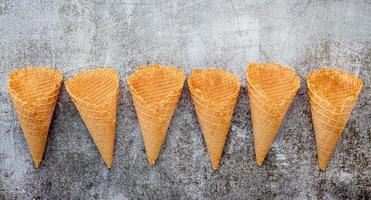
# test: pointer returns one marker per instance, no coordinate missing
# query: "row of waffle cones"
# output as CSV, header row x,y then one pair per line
x,y
156,91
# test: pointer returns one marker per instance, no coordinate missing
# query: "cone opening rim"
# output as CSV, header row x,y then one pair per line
x,y
12,79
222,73
115,81
142,72
312,82
276,67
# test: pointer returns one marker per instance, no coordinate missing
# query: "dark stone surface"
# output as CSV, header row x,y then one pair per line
x,y
75,35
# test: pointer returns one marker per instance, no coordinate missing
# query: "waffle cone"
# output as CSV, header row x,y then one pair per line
x,y
34,92
95,95
214,94
332,95
155,91
271,90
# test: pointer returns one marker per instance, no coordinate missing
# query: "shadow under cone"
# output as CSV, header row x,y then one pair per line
x,y
34,91
214,93
95,95
271,89
155,91
332,95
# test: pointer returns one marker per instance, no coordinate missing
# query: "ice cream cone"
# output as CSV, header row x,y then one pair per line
x,y
214,94
332,95
34,91
155,91
95,95
271,89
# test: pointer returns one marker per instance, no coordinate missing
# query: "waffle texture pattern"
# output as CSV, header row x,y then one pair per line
x,y
95,94
332,94
34,92
271,90
214,94
155,91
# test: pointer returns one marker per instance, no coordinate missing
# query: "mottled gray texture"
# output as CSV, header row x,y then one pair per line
x,y
75,35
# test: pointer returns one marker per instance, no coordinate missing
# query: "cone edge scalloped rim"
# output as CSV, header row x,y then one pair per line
x,y
229,74
74,97
290,95
147,67
26,68
336,71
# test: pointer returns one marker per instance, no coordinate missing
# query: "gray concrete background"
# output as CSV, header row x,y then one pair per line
x,y
75,35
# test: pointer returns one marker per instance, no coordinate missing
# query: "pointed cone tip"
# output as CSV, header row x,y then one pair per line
x,y
152,162
108,163
323,165
259,162
215,165
37,163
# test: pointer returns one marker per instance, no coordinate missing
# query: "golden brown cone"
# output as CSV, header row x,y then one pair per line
x,y
214,94
95,95
271,89
332,95
155,91
34,91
